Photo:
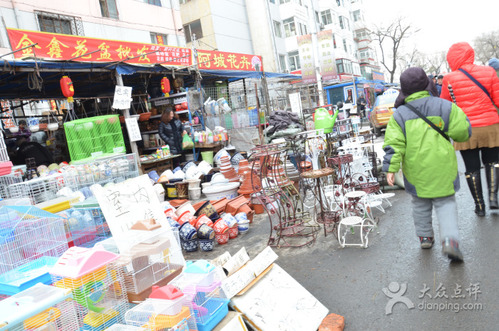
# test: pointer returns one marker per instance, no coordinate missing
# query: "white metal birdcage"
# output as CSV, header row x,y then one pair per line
x,y
157,314
97,286
41,307
124,327
28,233
5,181
43,188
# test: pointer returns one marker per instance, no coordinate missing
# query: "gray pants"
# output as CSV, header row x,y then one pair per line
x,y
446,210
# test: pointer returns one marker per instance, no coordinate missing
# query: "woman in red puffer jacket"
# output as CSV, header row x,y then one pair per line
x,y
484,118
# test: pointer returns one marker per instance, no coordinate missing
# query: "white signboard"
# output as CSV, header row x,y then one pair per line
x,y
133,129
125,203
295,102
122,97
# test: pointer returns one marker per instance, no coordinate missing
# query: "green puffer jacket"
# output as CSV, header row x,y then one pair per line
x,y
428,160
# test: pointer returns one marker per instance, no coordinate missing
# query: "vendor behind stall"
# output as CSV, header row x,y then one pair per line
x,y
171,131
23,132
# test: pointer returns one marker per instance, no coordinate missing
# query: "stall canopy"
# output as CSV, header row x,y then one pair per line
x,y
233,75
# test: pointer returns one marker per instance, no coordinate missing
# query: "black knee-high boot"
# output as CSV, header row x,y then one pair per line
x,y
492,183
475,185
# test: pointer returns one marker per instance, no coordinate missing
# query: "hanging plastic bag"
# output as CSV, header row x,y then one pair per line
x,y
187,142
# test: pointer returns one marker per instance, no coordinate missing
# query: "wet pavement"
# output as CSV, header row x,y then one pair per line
x,y
438,295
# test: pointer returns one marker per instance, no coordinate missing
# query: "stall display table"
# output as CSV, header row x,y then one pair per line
x,y
215,147
159,165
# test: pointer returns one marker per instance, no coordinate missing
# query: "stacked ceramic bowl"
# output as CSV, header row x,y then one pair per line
x,y
227,170
221,232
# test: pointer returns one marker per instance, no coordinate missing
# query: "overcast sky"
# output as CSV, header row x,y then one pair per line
x,y
442,22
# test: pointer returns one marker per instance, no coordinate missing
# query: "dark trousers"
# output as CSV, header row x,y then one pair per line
x,y
471,157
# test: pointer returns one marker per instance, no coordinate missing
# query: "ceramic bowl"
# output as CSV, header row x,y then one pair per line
x,y
203,220
171,213
233,231
187,206
222,238
189,245
208,209
220,226
206,245
243,227
187,231
241,217
173,224
205,232
229,219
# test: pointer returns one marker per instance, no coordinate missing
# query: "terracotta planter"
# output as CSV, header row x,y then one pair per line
x,y
258,208
220,205
234,204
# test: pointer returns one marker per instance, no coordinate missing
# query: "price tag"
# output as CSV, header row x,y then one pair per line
x,y
122,97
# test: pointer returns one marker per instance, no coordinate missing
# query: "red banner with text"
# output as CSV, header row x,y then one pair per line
x,y
56,46
215,60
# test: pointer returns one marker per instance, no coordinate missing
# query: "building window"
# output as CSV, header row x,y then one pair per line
x,y
50,22
289,27
153,2
277,29
183,1
272,1
282,62
356,16
344,23
345,45
339,66
191,29
338,2
317,17
303,29
108,8
334,40
326,17
294,61
284,1
344,66
158,38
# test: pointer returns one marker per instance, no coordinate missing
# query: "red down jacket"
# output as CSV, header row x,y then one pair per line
x,y
472,100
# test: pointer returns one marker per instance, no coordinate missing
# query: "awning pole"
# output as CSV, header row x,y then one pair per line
x,y
126,114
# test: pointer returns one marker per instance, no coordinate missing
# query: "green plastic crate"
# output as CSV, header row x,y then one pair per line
x,y
94,137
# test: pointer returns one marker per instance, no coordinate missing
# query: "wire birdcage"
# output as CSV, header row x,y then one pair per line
x,y
97,286
5,181
157,314
41,307
28,233
105,170
43,188
124,327
84,226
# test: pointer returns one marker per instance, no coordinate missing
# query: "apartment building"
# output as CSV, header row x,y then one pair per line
x,y
151,21
270,28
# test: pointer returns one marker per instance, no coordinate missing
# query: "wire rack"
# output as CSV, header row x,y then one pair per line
x,y
6,181
42,189
84,226
28,233
41,307
4,156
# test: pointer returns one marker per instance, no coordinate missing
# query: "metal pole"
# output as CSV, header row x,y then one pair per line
x,y
126,114
313,25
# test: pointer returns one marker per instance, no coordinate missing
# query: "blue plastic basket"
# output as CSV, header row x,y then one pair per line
x,y
24,277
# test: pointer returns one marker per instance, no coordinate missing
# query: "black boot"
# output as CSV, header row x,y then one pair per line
x,y
492,183
475,185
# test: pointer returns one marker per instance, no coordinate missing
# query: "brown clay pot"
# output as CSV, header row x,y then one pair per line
x,y
220,205
258,208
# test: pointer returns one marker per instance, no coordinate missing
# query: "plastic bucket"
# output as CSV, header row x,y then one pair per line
x,y
207,156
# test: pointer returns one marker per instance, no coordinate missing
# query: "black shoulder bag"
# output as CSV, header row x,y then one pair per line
x,y
430,123
473,79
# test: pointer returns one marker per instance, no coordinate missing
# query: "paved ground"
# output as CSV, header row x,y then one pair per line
x,y
350,281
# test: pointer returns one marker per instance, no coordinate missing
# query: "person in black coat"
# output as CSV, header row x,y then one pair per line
x,y
171,131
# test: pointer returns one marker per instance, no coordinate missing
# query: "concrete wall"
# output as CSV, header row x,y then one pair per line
x,y
136,18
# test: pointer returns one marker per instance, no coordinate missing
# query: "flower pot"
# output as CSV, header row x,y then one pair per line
x,y
233,231
208,209
222,238
206,245
258,208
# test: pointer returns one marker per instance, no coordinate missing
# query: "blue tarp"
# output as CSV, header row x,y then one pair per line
x,y
236,74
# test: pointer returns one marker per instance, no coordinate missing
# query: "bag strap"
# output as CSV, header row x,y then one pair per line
x,y
430,123
478,84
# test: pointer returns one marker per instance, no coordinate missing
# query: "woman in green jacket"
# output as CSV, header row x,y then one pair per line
x,y
428,158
